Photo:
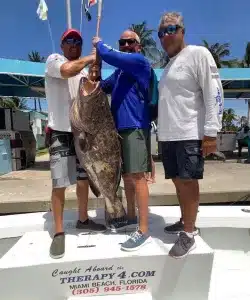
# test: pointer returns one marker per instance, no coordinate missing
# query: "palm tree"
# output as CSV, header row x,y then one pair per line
x,y
228,120
163,61
36,57
219,52
14,102
245,62
149,47
247,56
242,121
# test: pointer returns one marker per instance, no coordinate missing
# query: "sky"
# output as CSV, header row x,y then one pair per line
x,y
213,20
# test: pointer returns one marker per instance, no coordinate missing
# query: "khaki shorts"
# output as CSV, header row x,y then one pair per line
x,y
136,150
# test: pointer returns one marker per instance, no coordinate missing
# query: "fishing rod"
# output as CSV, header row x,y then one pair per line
x,y
99,17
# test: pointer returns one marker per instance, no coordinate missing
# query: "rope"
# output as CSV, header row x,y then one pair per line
x,y
51,37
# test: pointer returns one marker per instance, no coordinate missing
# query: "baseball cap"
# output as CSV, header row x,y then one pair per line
x,y
71,33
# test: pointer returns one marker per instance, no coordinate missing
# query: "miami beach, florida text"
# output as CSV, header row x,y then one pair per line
x,y
101,280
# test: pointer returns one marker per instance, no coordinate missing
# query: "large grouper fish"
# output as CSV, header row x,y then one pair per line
x,y
97,142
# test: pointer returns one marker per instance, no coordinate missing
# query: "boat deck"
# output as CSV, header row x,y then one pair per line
x,y
94,267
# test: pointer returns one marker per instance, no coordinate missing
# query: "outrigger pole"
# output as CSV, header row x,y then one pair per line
x,y
68,13
99,16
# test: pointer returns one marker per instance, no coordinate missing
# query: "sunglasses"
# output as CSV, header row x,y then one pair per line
x,y
72,42
123,42
169,30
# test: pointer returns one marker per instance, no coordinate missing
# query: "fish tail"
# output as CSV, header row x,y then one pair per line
x,y
115,209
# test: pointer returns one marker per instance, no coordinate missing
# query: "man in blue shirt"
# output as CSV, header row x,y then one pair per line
x,y
129,89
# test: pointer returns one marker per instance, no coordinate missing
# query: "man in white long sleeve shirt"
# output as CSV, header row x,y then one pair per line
x,y
190,115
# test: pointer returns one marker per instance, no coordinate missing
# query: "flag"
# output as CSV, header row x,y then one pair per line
x,y
42,10
87,13
86,8
92,2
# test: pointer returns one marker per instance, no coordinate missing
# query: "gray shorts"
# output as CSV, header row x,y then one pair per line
x,y
64,165
136,150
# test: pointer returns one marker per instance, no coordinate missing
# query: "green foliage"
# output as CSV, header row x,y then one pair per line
x,y
229,120
219,53
246,60
13,102
163,60
36,57
149,46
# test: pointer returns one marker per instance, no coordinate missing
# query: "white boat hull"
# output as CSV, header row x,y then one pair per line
x,y
219,267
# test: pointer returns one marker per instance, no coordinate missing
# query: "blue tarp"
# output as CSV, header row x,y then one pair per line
x,y
26,79
235,74
20,67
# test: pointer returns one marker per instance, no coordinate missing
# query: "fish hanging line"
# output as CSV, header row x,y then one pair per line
x,y
42,12
51,37
84,7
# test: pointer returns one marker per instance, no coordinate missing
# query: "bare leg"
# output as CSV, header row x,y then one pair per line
x,y
84,223
82,192
129,187
153,170
142,197
150,176
189,201
140,237
175,181
58,199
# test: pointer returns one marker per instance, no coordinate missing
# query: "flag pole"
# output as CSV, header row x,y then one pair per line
x,y
68,12
42,12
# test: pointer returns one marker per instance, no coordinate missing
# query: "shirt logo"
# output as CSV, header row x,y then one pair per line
x,y
218,99
179,69
214,72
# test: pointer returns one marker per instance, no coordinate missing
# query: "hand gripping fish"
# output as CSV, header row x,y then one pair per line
x,y
97,144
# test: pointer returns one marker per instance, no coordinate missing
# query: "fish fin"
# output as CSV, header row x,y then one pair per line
x,y
82,144
94,188
82,140
114,210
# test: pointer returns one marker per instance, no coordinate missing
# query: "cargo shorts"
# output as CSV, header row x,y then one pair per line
x,y
183,159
